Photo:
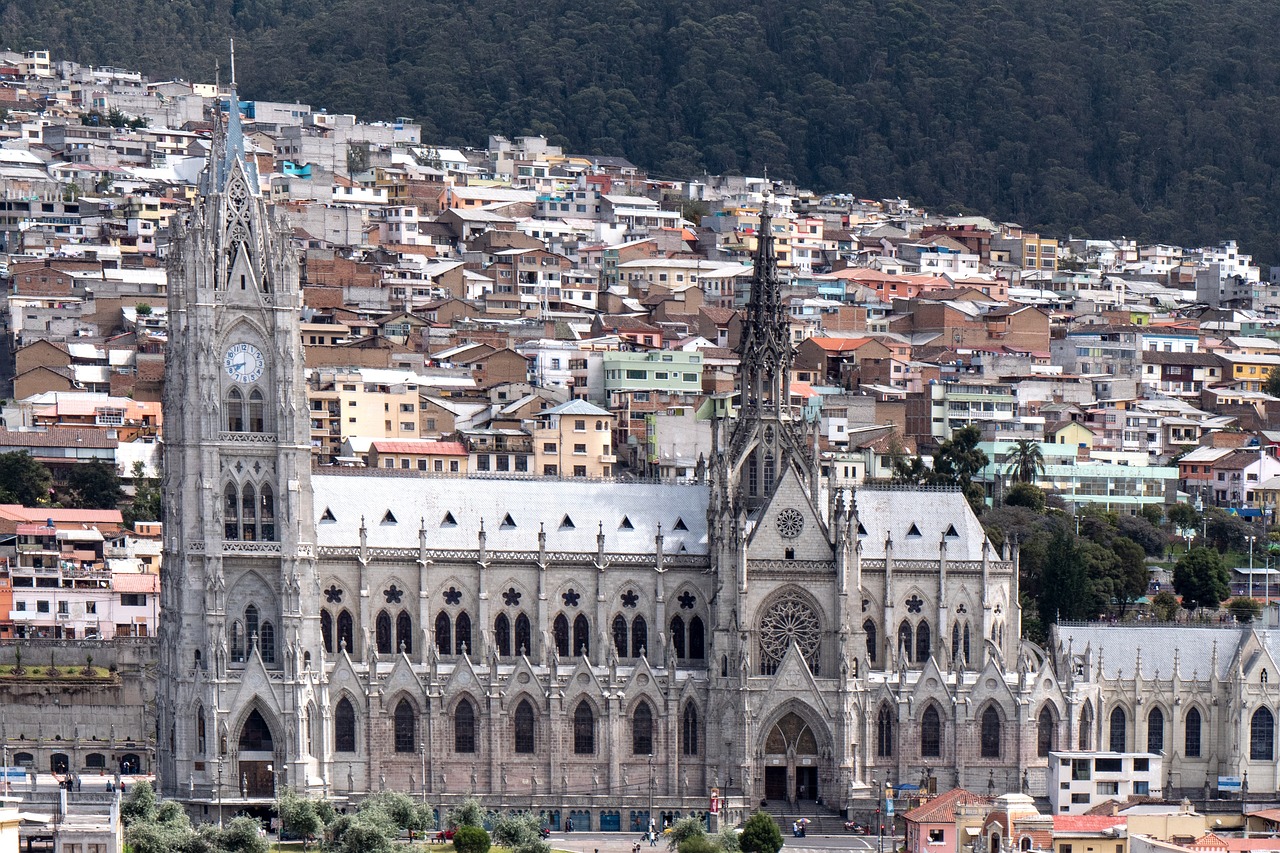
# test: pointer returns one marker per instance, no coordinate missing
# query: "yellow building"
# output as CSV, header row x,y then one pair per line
x,y
574,439
1249,369
368,402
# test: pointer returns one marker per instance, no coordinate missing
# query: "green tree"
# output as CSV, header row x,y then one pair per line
x,y
358,836
1025,460
147,504
1164,606
471,839
469,812
1202,579
24,480
242,836
1065,590
958,459
683,830
139,804
760,835
298,816
1183,515
1154,514
1244,609
521,833
1272,385
94,485
1025,495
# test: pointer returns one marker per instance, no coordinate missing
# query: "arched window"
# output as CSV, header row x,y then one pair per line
x,y
1044,732
406,722
346,632
235,411
237,642
462,634
248,519
955,640
230,512
1086,729
524,635
697,639
584,729
620,635
502,635
267,643
677,635
1191,740
267,513
199,730
256,421
344,726
404,632
524,728
869,628
904,640
326,631
1155,731
930,733
924,641
1119,734
689,730
560,632
464,727
965,643
639,637
1262,736
884,733
581,636
251,625
991,732
642,730
382,633
444,633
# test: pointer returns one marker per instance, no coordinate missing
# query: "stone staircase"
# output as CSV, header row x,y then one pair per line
x,y
822,820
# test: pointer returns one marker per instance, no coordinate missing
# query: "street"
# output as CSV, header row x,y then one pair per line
x,y
621,842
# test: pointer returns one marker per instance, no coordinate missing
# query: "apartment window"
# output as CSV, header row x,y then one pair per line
x,y
42,606
407,426
579,426
406,407
548,447
439,465
62,607
453,466
482,462
133,599
579,470
431,423
936,836
20,606
422,464
580,448
91,607
404,463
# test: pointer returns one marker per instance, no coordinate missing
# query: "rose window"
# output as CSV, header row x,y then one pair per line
x,y
789,620
790,523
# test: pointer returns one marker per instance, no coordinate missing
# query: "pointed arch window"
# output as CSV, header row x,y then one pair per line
x,y
1119,734
524,728
966,644
697,639
406,724
884,733
581,636
237,642
404,632
251,624
991,732
464,727
869,628
444,633
904,640
620,635
462,634
1085,741
248,525
346,632
1045,729
267,513
382,633
930,733
924,641
1191,734
689,730
257,408
267,644
560,632
524,635
677,635
200,731
584,729
344,726
327,630
1155,731
230,512
642,730
639,637
955,641
502,635
235,411
1262,735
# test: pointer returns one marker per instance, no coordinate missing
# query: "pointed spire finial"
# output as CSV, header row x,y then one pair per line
x,y
233,63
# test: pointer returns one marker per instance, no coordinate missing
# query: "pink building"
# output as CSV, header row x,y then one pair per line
x,y
932,826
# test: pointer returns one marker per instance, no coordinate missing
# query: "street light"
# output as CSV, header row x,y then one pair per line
x,y
1251,538
219,793
652,825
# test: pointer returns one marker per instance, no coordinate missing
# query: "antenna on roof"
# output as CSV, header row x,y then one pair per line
x,y
233,62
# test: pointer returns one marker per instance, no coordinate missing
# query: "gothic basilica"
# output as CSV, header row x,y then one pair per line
x,y
577,646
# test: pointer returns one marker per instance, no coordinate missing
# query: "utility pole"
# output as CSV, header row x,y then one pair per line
x,y
652,824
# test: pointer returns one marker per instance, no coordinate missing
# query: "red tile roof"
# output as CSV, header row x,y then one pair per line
x,y
1086,822
431,448
942,809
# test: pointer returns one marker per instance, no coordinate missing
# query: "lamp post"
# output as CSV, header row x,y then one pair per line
x,y
652,824
219,793
422,753
875,786
1251,538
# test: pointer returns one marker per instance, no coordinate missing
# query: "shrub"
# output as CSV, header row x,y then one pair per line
x,y
760,835
473,839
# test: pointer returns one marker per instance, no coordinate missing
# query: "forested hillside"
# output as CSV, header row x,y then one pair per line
x,y
1155,119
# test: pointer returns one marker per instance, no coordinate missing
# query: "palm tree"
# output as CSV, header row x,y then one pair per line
x,y
1025,460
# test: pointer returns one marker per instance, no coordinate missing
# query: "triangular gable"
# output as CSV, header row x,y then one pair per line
x,y
463,679
402,677
789,526
579,686
793,677
643,682
523,679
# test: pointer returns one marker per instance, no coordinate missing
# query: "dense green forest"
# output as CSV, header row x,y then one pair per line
x,y
1155,119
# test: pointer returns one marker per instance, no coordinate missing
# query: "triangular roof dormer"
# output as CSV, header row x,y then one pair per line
x,y
566,523
680,525
448,520
914,532
389,518
507,522
951,532
327,516
626,524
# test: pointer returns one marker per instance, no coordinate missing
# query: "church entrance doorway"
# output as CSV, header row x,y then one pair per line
x,y
256,756
791,760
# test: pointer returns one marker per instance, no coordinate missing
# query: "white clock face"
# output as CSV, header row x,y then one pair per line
x,y
244,363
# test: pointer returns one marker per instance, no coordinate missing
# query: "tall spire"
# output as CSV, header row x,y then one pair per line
x,y
765,349
228,146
